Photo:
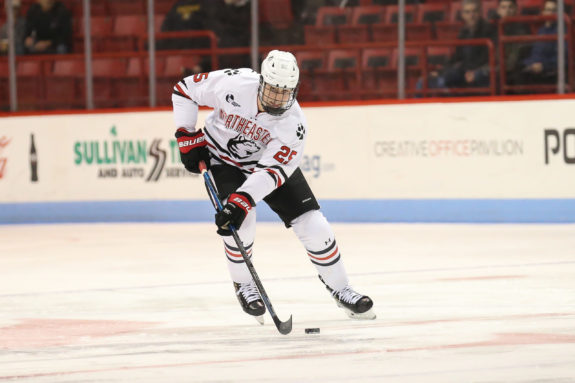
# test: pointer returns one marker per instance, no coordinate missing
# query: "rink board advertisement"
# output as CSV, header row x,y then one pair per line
x,y
510,161
453,150
95,157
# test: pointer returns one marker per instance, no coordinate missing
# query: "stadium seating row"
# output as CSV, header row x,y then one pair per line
x,y
59,82
370,72
419,13
113,34
105,7
121,80
332,72
392,2
127,32
279,12
120,33
427,24
275,12
117,25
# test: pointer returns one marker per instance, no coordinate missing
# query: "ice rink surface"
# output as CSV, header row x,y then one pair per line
x,y
91,303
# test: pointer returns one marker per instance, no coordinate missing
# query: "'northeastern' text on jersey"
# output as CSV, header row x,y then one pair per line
x,y
261,145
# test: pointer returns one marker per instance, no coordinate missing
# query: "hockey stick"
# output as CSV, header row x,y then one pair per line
x,y
283,327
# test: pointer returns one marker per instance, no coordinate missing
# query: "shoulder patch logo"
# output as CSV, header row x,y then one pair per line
x,y
300,131
231,72
230,99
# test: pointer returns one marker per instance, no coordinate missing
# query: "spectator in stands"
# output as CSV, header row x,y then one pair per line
x,y
48,28
187,15
231,20
541,65
304,11
469,65
513,52
19,30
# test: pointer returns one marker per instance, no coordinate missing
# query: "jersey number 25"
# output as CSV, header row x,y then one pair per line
x,y
285,155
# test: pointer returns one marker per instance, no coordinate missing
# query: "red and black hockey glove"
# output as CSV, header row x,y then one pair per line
x,y
234,212
192,149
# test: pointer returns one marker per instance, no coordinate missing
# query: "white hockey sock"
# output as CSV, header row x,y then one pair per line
x,y
236,265
316,235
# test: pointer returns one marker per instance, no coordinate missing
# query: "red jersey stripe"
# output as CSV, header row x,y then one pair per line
x,y
237,255
328,257
275,175
182,92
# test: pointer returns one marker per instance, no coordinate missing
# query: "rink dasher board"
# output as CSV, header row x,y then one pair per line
x,y
453,162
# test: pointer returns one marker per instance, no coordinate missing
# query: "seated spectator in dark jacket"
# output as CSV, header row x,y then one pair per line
x,y
512,52
469,66
541,66
185,15
231,20
48,28
19,30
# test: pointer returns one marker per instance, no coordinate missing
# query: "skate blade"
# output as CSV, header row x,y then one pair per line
x,y
260,319
368,315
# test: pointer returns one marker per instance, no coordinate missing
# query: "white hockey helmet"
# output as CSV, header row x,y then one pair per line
x,y
279,82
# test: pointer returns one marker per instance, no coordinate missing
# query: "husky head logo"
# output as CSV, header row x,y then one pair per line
x,y
241,147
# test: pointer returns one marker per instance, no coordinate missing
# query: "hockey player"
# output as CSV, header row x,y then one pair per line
x,y
253,142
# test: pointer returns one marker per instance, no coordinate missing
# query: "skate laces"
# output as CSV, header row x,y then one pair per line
x,y
249,291
347,295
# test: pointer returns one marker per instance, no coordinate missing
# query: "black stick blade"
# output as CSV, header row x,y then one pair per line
x,y
283,327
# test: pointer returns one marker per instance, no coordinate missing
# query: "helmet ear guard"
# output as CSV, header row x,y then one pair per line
x,y
279,73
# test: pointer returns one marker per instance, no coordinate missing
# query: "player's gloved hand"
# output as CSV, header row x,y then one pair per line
x,y
234,212
192,149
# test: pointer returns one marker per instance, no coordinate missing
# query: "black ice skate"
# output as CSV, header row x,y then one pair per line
x,y
250,300
355,305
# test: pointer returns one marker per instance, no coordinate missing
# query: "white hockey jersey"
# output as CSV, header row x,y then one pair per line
x,y
268,149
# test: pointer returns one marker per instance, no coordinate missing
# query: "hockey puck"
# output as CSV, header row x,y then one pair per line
x,y
314,330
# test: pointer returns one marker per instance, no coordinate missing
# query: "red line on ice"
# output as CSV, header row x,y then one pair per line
x,y
40,333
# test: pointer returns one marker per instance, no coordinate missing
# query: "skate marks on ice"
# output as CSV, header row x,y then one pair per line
x,y
125,303
244,348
